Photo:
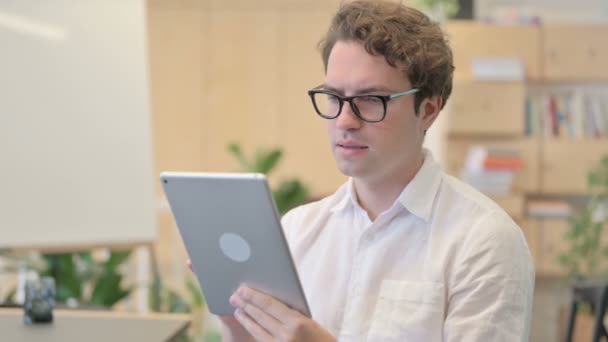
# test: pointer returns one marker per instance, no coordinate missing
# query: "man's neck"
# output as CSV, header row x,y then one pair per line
x,y
377,196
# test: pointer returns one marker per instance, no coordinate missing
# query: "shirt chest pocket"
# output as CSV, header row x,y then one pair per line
x,y
408,311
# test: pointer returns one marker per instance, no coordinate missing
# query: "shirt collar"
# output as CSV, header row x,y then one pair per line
x,y
417,197
348,198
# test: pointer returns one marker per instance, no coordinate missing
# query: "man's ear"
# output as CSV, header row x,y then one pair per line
x,y
429,110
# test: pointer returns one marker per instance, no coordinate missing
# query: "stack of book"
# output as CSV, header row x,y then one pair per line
x,y
568,114
549,208
492,170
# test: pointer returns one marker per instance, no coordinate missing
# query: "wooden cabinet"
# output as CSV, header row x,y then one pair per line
x,y
470,40
526,179
487,108
531,230
512,204
575,52
303,133
551,244
493,114
328,6
234,71
239,70
176,84
243,87
566,162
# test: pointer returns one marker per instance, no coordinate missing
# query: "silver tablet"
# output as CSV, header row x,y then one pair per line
x,y
232,232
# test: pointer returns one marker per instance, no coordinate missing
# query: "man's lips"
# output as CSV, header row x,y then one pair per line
x,y
351,145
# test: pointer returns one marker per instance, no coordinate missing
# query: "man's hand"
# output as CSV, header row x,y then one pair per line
x,y
267,319
232,330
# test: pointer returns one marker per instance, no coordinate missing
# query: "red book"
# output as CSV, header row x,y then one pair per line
x,y
502,163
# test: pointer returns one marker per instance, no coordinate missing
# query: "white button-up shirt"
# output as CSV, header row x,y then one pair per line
x,y
444,263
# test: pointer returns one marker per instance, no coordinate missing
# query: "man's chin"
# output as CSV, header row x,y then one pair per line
x,y
351,170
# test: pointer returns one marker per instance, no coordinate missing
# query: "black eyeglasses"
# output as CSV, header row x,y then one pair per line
x,y
369,108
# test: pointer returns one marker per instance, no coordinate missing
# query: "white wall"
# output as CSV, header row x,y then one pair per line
x,y
75,135
550,10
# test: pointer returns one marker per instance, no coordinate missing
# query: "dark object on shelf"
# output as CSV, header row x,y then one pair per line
x,y
594,294
465,10
39,300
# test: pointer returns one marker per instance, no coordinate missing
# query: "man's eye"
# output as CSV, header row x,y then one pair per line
x,y
332,99
370,99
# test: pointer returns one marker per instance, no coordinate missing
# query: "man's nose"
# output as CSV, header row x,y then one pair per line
x,y
348,119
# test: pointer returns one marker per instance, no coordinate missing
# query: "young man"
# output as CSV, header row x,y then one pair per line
x,y
401,252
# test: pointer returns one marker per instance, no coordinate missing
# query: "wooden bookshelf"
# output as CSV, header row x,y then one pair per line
x,y
565,163
493,114
206,92
487,108
574,52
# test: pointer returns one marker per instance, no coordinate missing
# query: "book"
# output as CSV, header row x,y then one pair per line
x,y
549,208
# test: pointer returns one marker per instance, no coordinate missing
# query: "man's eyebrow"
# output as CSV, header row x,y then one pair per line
x,y
373,89
366,90
331,89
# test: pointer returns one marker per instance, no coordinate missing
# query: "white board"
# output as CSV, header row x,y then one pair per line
x,y
75,135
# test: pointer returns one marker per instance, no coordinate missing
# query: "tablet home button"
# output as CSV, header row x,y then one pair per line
x,y
235,247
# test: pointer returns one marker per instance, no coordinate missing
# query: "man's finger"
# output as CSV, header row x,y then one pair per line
x,y
262,318
255,330
265,303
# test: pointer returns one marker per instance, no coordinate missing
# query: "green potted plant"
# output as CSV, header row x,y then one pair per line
x,y
80,279
586,245
439,10
587,254
83,281
164,299
289,193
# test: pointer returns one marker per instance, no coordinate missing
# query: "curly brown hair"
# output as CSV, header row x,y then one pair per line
x,y
404,36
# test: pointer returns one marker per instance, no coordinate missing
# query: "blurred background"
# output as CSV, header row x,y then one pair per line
x,y
98,97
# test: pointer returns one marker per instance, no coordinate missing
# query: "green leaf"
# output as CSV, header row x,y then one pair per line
x,y
107,290
265,161
10,296
235,150
63,294
564,259
570,234
67,281
198,301
120,295
183,338
177,303
213,337
290,194
450,7
85,260
155,293
593,179
604,162
116,259
592,264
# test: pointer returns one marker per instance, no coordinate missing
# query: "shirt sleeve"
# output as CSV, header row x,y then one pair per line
x,y
287,223
492,283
